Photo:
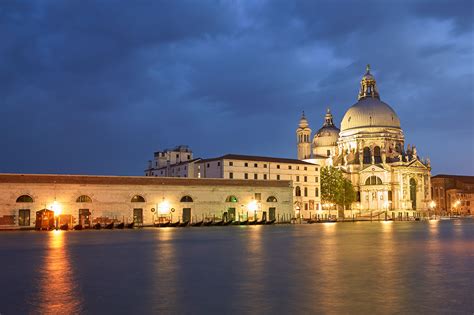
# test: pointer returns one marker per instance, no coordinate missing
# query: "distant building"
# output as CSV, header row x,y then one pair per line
x,y
177,162
453,194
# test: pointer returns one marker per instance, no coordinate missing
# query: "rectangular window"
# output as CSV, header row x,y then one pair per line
x,y
316,192
255,176
278,177
264,176
231,163
316,169
208,165
289,167
305,168
328,152
297,168
278,166
316,179
231,175
258,196
264,165
218,163
246,164
246,176
306,178
177,156
390,195
297,178
255,165
24,217
306,206
306,191
189,156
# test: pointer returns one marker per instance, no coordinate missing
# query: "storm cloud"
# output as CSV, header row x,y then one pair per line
x,y
95,87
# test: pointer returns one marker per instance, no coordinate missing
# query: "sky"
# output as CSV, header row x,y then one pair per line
x,y
95,87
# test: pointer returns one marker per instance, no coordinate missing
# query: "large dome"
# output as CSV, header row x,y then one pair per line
x,y
370,112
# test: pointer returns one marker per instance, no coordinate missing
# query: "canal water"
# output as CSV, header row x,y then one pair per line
x,y
352,268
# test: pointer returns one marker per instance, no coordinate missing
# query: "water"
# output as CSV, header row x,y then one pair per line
x,y
357,268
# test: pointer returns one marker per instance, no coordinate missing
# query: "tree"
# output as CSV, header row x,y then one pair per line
x,y
335,188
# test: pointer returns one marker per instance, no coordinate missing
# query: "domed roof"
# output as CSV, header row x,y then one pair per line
x,y
328,134
369,111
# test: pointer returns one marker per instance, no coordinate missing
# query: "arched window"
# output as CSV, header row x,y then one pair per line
x,y
377,155
367,157
373,180
83,198
24,198
231,199
137,198
186,199
272,199
298,191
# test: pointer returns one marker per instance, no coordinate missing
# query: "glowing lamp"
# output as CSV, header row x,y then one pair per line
x,y
164,207
252,206
56,208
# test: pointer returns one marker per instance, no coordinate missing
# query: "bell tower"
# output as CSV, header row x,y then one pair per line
x,y
303,139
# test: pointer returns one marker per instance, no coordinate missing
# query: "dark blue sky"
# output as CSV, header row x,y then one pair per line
x,y
95,87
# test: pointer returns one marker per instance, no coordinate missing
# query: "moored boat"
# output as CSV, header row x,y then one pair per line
x,y
120,225
64,227
228,223
270,222
97,226
78,227
218,223
110,226
208,223
184,224
175,224
246,222
197,223
131,225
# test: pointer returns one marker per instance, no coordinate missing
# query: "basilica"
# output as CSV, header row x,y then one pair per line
x,y
369,148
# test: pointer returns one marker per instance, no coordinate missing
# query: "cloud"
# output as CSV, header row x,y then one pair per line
x,y
96,87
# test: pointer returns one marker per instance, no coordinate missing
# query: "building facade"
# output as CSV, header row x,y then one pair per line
x,y
304,176
88,200
176,162
453,194
370,150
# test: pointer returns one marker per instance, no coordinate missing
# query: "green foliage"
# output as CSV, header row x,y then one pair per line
x,y
335,188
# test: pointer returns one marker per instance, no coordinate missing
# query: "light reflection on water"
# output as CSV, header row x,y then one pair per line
x,y
57,291
357,268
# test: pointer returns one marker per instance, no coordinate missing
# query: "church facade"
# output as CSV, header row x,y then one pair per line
x,y
369,148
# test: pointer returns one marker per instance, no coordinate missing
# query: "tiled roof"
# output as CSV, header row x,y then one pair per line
x,y
257,158
134,180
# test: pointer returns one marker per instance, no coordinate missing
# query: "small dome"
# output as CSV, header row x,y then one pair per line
x,y
370,112
328,134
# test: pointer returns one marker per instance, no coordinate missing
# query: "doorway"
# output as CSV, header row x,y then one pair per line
x,y
138,216
231,214
413,193
24,217
186,214
84,217
272,213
